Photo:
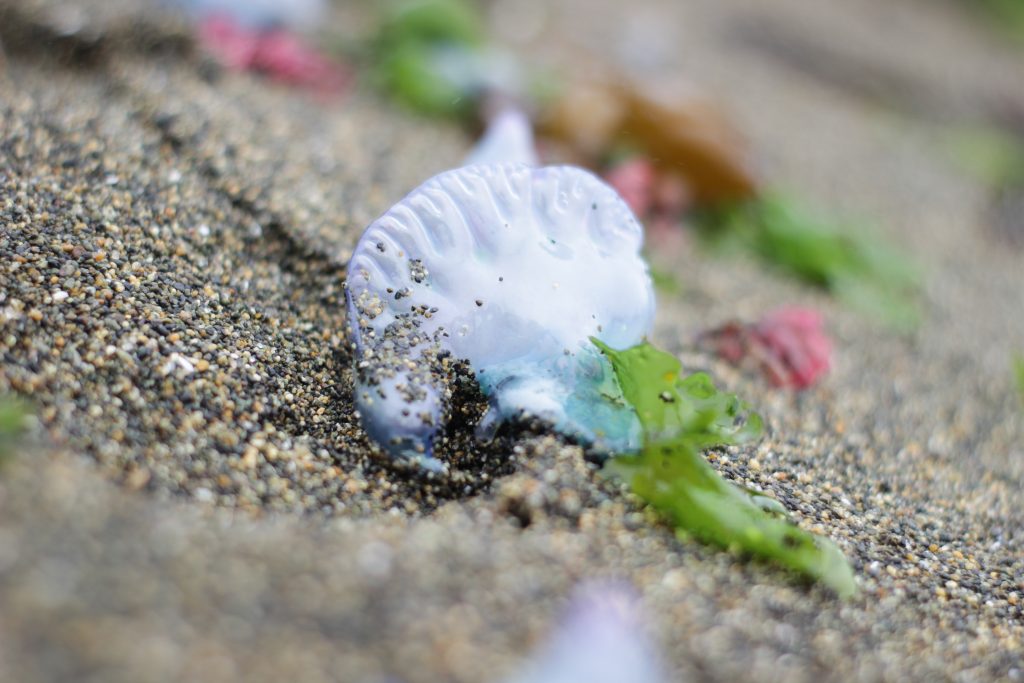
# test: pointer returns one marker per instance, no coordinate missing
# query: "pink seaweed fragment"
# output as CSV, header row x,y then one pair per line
x,y
789,345
657,196
275,52
797,337
634,180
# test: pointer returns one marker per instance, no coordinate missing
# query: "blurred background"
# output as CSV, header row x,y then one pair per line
x,y
833,200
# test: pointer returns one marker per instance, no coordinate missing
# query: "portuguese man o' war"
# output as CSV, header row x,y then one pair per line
x,y
509,266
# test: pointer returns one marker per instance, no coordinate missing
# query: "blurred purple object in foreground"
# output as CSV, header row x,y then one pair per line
x,y
601,639
259,14
276,52
789,345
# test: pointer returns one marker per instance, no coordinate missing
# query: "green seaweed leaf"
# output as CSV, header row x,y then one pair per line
x,y
682,416
432,21
1005,16
665,281
993,156
414,42
12,424
855,267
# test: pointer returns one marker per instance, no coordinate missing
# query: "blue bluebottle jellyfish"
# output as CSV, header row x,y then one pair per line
x,y
512,267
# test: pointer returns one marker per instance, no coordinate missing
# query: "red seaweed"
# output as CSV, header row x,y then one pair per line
x,y
276,52
789,346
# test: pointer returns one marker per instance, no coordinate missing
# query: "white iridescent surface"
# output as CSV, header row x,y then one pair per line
x,y
511,267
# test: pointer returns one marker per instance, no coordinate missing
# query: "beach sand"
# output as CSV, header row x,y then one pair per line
x,y
197,501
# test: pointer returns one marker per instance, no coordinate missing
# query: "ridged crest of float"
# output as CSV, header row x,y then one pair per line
x,y
507,266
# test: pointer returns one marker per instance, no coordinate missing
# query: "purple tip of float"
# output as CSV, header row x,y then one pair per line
x,y
600,639
509,139
258,14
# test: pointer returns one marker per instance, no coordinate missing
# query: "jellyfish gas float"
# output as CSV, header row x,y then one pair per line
x,y
512,267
